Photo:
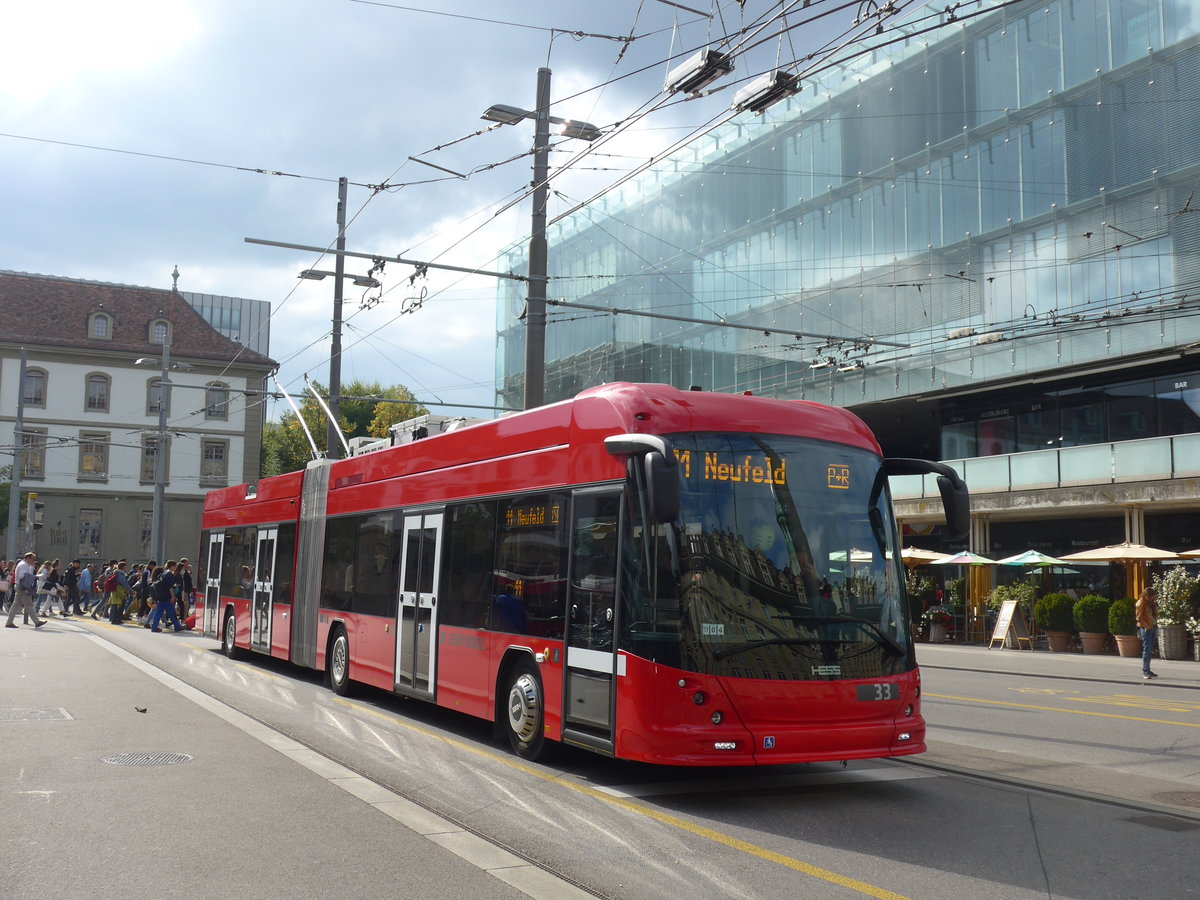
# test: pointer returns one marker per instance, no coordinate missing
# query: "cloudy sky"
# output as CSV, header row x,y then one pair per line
x,y
137,135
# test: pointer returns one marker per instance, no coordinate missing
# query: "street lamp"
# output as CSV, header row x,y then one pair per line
x,y
158,530
535,310
359,280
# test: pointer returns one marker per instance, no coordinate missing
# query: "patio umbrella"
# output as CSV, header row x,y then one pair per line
x,y
1029,558
977,586
918,556
1190,554
965,558
1133,556
1123,552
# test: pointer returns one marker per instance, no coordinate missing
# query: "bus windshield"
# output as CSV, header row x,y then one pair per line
x,y
783,564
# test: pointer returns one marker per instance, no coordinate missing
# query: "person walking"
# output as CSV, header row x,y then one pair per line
x,y
54,590
71,584
117,587
165,582
1147,620
25,589
85,587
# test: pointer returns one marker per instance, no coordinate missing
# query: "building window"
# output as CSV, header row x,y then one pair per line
x,y
214,462
91,522
93,456
97,392
155,395
33,453
216,401
100,326
35,387
160,331
150,454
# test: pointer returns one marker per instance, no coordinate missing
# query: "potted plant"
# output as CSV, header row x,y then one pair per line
x,y
1053,614
1192,627
1175,590
1090,616
1122,625
937,620
920,594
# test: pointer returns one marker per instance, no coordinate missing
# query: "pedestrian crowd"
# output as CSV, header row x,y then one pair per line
x,y
145,593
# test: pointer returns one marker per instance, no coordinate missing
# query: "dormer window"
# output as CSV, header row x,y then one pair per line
x,y
160,331
100,326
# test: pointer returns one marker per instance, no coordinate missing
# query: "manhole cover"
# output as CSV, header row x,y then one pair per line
x,y
147,759
1179,798
46,714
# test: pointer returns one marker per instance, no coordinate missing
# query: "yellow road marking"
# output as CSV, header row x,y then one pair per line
x,y
1059,709
826,875
1143,702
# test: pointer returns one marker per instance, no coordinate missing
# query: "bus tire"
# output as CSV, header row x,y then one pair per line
x,y
339,663
229,636
525,712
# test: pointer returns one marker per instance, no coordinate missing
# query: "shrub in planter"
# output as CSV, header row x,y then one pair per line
x,y
1122,619
1054,613
1177,591
1090,614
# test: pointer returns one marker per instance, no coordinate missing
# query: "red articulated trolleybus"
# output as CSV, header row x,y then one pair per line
x,y
676,577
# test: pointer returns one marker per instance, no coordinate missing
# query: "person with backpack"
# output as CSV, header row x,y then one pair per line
x,y
24,590
116,585
165,583
102,589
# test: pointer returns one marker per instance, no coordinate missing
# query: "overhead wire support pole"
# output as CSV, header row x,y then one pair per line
x,y
535,308
14,488
334,438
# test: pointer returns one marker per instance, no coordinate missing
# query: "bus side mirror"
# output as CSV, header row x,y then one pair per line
x,y
956,499
662,486
957,502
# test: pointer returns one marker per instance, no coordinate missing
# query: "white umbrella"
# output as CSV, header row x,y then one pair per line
x,y
1030,558
966,558
917,556
1123,552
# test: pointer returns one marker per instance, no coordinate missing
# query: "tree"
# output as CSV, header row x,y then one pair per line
x,y
285,447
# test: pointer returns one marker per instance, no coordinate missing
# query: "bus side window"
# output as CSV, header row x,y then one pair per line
x,y
468,557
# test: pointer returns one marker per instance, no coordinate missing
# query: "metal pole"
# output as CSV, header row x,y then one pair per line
x,y
157,525
333,444
14,488
535,308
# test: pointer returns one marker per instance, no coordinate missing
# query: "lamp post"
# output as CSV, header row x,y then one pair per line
x,y
535,309
158,530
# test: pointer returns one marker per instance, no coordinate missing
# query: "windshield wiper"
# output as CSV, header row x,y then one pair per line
x,y
880,635
767,642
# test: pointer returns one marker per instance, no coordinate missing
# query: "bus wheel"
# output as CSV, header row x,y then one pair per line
x,y
525,712
339,664
229,637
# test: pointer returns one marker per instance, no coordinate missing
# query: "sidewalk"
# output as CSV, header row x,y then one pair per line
x,y
124,781
1180,673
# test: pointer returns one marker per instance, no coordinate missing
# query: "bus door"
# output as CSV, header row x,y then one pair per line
x,y
264,579
591,619
416,622
212,584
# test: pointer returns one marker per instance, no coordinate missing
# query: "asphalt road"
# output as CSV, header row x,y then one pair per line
x,y
1038,784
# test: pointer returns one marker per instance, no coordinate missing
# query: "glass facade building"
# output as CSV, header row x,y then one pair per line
x,y
962,237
